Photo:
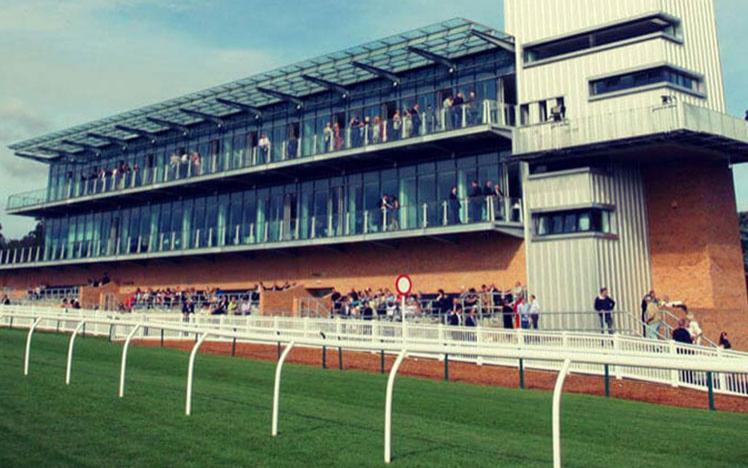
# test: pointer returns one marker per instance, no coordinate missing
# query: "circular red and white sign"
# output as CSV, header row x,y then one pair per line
x,y
403,285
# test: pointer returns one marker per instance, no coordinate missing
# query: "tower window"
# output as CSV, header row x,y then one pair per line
x,y
665,74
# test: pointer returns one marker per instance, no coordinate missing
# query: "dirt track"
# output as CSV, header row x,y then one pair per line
x,y
481,375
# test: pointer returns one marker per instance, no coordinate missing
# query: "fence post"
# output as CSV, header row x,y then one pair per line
x,y
721,377
710,388
388,407
191,373
340,358
674,375
70,351
124,360
616,349
557,413
607,381
381,362
521,373
276,388
446,367
26,355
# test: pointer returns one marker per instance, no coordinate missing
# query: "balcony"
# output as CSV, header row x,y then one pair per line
x,y
439,219
681,124
486,126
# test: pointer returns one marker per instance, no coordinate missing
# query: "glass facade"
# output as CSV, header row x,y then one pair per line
x,y
427,101
276,120
430,194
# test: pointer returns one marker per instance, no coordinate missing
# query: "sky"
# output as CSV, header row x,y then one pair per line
x,y
73,61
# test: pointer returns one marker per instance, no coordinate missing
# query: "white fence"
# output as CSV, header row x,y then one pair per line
x,y
375,333
585,353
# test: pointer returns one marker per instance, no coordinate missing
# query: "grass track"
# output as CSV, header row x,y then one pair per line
x,y
327,418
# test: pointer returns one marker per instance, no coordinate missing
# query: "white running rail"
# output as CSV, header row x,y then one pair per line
x,y
361,336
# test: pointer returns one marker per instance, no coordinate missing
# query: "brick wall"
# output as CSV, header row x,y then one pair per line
x,y
465,261
695,245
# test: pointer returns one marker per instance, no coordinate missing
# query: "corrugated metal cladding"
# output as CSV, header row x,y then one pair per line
x,y
532,20
566,274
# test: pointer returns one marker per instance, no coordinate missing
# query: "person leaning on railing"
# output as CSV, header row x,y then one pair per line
x,y
604,305
654,319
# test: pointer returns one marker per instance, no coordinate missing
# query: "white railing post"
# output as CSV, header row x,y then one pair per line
x,y
124,360
70,351
388,407
27,354
617,347
276,388
191,373
557,391
674,376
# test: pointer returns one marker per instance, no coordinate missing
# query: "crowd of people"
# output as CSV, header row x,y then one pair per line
x,y
211,300
465,308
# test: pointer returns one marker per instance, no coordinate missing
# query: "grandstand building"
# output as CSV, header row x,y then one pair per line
x,y
596,132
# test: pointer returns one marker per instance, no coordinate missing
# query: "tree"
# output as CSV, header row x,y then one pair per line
x,y
32,239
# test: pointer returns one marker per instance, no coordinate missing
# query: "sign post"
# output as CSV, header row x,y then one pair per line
x,y
403,286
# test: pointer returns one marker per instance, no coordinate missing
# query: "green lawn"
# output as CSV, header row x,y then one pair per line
x,y
328,418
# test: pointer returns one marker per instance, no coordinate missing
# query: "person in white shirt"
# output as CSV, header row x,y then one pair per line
x,y
264,145
524,314
246,307
534,310
694,329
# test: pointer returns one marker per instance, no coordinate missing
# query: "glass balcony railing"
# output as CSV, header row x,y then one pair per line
x,y
299,230
192,164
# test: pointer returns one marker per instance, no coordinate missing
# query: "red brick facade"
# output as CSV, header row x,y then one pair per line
x,y
695,248
467,261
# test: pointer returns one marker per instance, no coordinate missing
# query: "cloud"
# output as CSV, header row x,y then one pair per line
x,y
19,121
66,63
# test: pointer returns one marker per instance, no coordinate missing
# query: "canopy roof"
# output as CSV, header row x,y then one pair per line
x,y
392,55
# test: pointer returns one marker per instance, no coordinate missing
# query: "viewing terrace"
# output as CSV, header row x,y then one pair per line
x,y
703,131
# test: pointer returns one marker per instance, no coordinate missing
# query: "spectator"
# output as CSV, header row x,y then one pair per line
x,y
442,303
654,319
454,206
645,301
534,311
681,333
457,105
367,313
415,117
693,327
524,315
455,317
264,145
447,104
472,319
724,343
476,202
335,298
246,307
604,305
507,312
233,307
188,308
